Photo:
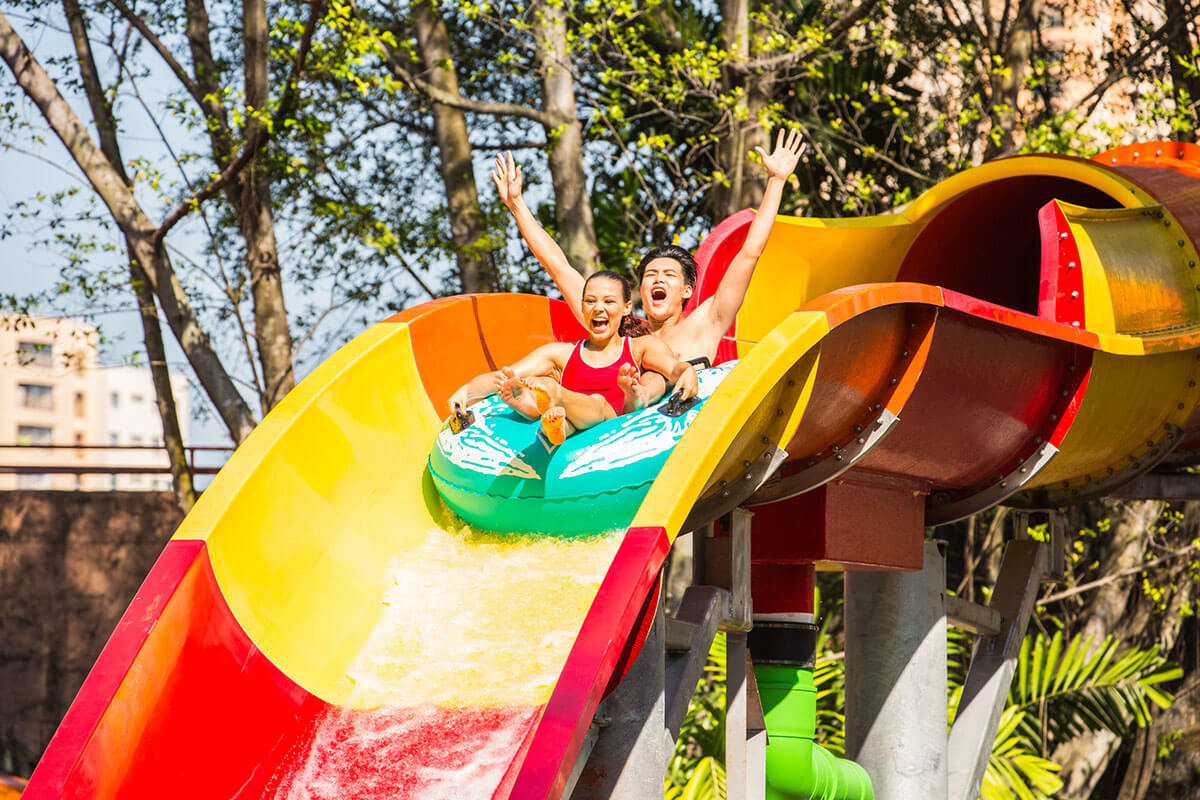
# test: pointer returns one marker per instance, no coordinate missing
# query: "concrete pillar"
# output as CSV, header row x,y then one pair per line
x,y
629,760
896,678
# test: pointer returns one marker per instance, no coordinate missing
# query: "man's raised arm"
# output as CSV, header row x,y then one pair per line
x,y
732,289
507,176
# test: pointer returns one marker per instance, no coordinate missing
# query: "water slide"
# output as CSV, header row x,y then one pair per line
x,y
1026,332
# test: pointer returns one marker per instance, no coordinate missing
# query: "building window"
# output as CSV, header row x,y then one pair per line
x,y
137,398
112,439
33,481
80,405
36,395
33,434
36,354
135,439
114,400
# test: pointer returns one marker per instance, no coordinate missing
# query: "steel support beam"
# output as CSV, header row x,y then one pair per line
x,y
629,759
896,678
992,664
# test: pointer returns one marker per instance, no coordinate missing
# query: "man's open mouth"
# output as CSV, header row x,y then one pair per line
x,y
658,293
599,323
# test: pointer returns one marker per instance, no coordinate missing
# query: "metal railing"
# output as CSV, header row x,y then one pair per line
x,y
63,468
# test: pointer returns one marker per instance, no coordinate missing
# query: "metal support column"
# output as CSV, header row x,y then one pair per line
x,y
896,678
629,760
992,665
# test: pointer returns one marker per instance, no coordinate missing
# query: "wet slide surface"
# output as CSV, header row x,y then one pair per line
x,y
321,626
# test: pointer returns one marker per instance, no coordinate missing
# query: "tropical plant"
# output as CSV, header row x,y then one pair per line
x,y
696,769
1061,690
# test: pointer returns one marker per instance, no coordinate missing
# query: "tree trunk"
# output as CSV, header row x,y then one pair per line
x,y
1006,85
1185,83
572,207
467,223
134,224
1113,609
257,224
744,184
156,355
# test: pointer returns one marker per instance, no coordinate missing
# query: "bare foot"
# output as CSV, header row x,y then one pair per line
x,y
555,425
512,391
541,397
631,386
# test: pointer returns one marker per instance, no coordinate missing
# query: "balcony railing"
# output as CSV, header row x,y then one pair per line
x,y
11,465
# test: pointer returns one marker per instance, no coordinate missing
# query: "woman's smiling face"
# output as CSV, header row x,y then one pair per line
x,y
604,305
663,289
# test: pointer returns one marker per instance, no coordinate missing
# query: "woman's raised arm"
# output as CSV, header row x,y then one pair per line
x,y
506,174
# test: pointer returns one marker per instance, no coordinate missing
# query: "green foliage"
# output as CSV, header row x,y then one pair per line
x,y
696,769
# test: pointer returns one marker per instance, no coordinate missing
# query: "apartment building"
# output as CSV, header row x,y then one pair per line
x,y
54,391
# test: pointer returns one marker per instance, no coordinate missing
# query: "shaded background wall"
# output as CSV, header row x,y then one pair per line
x,y
70,562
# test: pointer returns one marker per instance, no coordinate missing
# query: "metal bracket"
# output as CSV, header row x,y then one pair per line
x,y
992,665
823,471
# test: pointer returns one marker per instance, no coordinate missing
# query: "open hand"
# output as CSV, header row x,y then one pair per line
x,y
506,173
783,160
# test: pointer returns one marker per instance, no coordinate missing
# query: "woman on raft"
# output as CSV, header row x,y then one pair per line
x,y
571,387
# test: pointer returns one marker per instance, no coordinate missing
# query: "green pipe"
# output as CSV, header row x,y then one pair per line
x,y
797,768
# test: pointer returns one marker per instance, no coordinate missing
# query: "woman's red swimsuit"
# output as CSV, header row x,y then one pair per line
x,y
578,376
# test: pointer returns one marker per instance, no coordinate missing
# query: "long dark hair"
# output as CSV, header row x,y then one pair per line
x,y
630,325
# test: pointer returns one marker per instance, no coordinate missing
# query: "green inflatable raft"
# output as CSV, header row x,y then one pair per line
x,y
500,474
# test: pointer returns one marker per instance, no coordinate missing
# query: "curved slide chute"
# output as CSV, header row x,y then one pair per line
x,y
1027,332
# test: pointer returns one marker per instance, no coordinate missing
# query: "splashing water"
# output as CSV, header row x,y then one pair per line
x,y
472,636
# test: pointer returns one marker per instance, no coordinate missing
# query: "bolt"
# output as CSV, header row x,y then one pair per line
x,y
892,381
812,463
877,406
779,412
1065,393
791,382
1181,242
765,440
1158,153
904,354
838,457
858,428
1003,485
1071,367
745,463
1181,406
1070,265
835,448
1062,236
724,482
1075,324
1022,469
1192,264
1054,417
1074,294
748,476
862,440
